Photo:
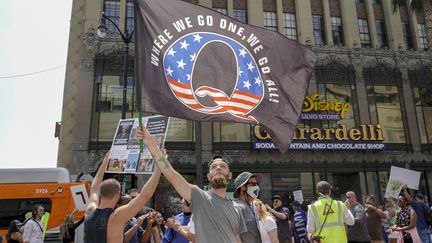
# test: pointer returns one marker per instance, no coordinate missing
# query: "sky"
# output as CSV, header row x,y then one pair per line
x,y
33,51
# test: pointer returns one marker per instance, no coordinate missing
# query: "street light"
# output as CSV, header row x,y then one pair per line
x,y
126,37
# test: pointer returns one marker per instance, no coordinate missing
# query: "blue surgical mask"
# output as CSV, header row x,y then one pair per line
x,y
253,191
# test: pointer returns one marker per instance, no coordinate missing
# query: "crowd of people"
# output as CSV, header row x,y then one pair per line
x,y
31,230
210,217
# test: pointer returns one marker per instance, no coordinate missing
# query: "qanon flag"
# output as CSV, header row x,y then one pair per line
x,y
195,63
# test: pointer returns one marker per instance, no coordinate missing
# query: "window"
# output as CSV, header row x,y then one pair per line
x,y
337,30
342,93
231,132
110,92
180,130
364,33
129,17
11,209
381,34
406,30
284,184
221,10
290,26
423,106
421,28
270,21
112,11
240,15
108,105
385,109
318,29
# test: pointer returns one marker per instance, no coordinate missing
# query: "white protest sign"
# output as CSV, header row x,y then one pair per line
x,y
80,197
298,195
399,177
410,177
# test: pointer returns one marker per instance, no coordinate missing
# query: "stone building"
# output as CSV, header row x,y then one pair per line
x,y
371,57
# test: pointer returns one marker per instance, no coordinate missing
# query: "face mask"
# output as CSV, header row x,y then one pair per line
x,y
253,191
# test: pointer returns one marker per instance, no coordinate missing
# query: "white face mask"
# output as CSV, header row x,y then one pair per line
x,y
253,191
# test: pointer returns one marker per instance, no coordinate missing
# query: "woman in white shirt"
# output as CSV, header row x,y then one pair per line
x,y
33,228
267,224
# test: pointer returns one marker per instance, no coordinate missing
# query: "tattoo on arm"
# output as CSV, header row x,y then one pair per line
x,y
164,161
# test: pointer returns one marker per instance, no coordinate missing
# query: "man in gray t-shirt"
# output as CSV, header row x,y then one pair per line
x,y
216,218
357,232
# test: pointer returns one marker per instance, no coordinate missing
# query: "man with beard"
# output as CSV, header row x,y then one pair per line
x,y
218,218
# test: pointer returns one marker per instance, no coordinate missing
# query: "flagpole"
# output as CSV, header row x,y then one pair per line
x,y
140,125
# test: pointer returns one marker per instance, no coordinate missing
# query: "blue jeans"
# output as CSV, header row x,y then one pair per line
x,y
424,235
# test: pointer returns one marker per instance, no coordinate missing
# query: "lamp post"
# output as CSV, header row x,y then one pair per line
x,y
126,37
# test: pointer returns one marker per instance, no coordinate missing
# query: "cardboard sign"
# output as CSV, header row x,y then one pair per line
x,y
409,177
399,177
80,197
298,195
125,156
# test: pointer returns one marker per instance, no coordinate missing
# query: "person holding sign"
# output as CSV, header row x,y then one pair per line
x,y
405,222
219,218
103,223
420,208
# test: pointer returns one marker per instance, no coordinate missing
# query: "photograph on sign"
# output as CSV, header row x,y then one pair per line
x,y
393,188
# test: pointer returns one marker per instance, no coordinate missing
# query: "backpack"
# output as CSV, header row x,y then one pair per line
x,y
428,214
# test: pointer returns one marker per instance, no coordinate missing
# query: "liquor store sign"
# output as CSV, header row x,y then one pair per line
x,y
364,137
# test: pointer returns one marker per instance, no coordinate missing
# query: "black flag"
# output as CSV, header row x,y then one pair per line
x,y
195,63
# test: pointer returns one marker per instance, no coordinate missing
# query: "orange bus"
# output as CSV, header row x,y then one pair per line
x,y
21,189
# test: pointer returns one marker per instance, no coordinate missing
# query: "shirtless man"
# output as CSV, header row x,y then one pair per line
x,y
103,223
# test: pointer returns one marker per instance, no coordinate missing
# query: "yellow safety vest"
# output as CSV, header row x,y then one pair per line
x,y
333,230
44,220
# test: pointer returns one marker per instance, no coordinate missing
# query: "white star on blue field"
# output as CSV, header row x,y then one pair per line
x,y
180,57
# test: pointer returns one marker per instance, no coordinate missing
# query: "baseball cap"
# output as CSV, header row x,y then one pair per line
x,y
241,180
276,197
296,203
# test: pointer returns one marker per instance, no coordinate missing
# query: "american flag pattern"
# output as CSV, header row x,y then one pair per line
x,y
179,62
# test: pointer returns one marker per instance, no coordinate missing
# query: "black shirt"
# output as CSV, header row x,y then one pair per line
x,y
95,225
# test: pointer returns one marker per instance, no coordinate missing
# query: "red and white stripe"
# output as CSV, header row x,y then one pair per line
x,y
239,104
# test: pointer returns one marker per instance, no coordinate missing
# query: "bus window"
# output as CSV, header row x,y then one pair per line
x,y
11,209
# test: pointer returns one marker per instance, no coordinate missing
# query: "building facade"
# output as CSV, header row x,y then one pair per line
x,y
373,82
